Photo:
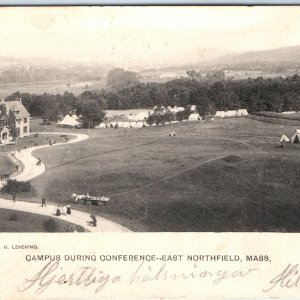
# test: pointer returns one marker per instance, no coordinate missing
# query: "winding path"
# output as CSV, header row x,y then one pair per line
x,y
32,170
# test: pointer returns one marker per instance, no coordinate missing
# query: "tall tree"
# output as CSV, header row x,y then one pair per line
x,y
90,113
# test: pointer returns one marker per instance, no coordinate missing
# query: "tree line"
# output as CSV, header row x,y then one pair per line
x,y
277,94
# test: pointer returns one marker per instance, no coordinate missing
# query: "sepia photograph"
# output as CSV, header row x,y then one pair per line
x,y
150,119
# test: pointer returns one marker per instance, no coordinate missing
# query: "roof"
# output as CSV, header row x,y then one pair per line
x,y
17,108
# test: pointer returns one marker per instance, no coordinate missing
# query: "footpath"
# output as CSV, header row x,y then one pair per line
x,y
32,170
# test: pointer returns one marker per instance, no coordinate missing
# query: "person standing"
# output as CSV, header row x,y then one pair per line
x,y
14,197
68,209
43,202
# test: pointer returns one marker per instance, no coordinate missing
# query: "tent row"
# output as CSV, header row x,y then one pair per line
x,y
295,138
123,124
231,113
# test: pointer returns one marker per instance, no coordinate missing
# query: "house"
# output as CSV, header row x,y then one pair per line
x,y
14,120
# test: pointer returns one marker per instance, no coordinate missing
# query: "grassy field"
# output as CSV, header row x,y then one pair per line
x,y
6,165
41,139
17,221
52,87
221,175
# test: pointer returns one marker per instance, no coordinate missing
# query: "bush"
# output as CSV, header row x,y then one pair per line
x,y
13,217
79,228
14,187
50,225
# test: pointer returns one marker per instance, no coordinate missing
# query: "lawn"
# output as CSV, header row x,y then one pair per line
x,y
52,87
221,175
17,221
6,164
32,140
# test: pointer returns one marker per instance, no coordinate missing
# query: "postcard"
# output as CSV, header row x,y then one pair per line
x,y
150,152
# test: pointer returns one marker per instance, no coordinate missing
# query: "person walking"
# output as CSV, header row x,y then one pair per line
x,y
43,202
58,213
17,168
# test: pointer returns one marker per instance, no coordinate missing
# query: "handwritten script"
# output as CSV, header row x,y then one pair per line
x,y
288,278
52,274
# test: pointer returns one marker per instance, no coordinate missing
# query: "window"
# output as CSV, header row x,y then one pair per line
x,y
25,129
18,121
25,120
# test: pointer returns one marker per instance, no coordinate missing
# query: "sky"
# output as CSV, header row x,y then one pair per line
x,y
144,36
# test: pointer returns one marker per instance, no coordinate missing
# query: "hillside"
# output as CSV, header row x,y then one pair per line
x,y
213,176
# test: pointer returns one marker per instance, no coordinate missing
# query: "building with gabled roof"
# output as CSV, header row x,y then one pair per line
x,y
14,120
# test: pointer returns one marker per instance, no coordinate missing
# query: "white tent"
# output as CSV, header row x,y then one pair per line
x,y
126,125
193,108
139,124
242,112
285,139
295,138
133,124
101,125
288,112
231,113
70,121
194,117
220,114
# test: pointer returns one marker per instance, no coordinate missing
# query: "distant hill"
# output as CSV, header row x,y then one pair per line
x,y
273,60
15,70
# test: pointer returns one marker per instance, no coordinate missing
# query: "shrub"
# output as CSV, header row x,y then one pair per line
x,y
50,225
79,228
13,186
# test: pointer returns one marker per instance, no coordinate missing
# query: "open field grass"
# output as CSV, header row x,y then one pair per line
x,y
277,120
6,165
51,87
32,140
222,175
16,221
272,114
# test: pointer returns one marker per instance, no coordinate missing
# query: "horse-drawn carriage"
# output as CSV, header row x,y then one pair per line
x,y
88,200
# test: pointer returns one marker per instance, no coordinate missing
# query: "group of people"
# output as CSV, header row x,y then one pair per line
x,y
172,133
64,210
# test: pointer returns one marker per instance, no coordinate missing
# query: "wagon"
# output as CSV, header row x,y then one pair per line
x,y
89,200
